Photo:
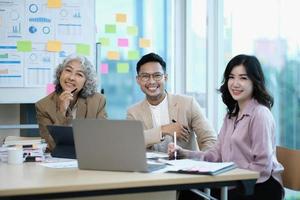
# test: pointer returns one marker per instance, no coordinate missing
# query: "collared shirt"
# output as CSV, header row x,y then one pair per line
x,y
248,141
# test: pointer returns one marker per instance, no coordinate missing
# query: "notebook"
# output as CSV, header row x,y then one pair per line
x,y
188,166
63,138
111,145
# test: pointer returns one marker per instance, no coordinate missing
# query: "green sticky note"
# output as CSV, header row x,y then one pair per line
x,y
83,49
133,55
122,68
110,28
104,41
24,46
132,30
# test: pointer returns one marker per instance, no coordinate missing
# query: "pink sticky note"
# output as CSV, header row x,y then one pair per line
x,y
104,68
50,88
123,42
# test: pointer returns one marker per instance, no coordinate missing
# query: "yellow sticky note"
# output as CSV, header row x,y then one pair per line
x,y
104,41
144,43
113,55
83,49
121,17
24,46
132,30
53,45
122,68
54,4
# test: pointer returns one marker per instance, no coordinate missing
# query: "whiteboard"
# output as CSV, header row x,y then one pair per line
x,y
35,36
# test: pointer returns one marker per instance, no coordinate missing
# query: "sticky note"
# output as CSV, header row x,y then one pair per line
x,y
113,55
144,43
53,45
110,28
132,30
122,68
121,17
133,55
123,42
50,88
54,3
83,49
24,46
104,68
104,41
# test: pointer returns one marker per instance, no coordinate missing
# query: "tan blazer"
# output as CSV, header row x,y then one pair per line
x,y
47,113
183,109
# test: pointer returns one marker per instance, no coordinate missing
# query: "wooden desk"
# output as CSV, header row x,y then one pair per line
x,y
31,180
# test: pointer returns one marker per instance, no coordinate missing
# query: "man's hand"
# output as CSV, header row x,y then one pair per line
x,y
182,132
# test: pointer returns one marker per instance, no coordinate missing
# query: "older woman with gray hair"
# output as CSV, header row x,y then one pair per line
x,y
75,96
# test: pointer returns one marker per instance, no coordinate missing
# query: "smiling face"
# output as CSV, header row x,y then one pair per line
x,y
153,88
240,86
72,76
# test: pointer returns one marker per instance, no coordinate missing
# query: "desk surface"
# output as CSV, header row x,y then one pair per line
x,y
34,179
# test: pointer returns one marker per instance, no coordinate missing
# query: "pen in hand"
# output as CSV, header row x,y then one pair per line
x,y
72,92
175,144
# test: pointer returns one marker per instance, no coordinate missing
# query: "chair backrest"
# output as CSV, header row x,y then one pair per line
x,y
290,160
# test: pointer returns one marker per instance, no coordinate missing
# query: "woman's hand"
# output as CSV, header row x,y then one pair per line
x,y
181,153
64,101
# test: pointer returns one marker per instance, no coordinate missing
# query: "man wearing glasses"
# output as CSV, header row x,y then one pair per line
x,y
163,113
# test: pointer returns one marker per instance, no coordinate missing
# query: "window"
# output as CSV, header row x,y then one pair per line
x,y
196,55
126,30
268,29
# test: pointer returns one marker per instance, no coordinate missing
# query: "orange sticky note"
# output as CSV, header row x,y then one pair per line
x,y
54,4
144,43
53,45
113,55
121,17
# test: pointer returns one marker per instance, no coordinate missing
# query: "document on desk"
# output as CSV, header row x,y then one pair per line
x,y
60,163
156,155
188,166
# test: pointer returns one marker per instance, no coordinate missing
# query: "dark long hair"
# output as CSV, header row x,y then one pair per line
x,y
255,74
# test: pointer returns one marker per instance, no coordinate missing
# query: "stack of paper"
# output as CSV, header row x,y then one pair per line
x,y
33,147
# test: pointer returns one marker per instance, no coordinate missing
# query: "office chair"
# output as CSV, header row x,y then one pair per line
x,y
290,160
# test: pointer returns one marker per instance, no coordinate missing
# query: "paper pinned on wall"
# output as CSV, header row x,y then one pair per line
x,y
144,43
54,46
104,41
133,55
54,4
121,17
113,55
50,88
123,42
122,68
104,68
110,28
132,30
24,46
83,49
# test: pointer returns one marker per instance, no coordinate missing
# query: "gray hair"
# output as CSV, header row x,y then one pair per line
x,y
90,85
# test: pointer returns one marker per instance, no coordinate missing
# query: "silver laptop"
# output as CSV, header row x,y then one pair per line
x,y
111,145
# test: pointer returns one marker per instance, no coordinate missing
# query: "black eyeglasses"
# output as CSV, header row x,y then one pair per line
x,y
146,77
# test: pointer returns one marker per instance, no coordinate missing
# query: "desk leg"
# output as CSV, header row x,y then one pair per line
x,y
224,193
